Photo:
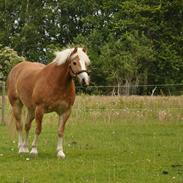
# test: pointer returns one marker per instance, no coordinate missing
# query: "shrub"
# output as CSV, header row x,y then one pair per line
x,y
8,59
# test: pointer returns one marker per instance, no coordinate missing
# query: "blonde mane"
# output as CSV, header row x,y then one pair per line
x,y
62,56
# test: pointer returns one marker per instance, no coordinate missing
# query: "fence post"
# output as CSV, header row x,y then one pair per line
x,y
3,103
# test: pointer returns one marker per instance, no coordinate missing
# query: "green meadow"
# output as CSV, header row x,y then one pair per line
x,y
107,139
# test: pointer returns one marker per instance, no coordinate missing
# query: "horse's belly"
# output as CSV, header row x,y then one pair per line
x,y
59,107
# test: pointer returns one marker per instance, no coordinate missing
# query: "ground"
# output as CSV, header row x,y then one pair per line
x,y
107,139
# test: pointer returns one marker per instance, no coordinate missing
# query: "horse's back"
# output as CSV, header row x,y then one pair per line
x,y
21,80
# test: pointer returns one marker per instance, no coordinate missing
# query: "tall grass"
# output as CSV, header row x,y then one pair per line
x,y
133,108
122,108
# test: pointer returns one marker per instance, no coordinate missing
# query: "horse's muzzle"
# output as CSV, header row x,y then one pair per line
x,y
84,78
84,82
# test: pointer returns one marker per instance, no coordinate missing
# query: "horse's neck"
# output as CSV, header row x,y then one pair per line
x,y
59,75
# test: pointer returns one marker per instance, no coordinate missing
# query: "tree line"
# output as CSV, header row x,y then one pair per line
x,y
129,42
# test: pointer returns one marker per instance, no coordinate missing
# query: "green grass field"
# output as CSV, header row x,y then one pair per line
x,y
108,140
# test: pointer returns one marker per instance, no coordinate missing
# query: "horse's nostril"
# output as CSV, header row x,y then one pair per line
x,y
83,81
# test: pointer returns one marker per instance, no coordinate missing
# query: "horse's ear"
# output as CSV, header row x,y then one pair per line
x,y
74,51
85,50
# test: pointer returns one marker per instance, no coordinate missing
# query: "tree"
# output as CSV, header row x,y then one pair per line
x,y
122,60
148,33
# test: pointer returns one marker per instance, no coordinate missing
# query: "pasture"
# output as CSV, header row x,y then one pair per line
x,y
107,139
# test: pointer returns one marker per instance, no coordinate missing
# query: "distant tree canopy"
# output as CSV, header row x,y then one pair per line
x,y
129,41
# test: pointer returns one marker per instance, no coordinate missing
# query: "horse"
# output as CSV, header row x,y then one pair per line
x,y
44,89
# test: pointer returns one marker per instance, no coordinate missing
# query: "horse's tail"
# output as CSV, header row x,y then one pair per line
x,y
10,121
11,124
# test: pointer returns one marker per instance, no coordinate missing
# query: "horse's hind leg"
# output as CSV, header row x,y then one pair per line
x,y
17,110
29,119
39,112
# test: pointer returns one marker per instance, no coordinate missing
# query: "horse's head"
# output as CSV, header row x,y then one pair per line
x,y
78,65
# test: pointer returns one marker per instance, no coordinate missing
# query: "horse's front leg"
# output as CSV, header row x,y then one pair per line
x,y
61,125
39,111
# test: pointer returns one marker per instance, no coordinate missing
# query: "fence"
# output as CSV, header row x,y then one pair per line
x,y
3,102
159,89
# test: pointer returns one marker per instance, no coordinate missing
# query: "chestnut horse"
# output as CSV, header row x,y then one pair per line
x,y
46,88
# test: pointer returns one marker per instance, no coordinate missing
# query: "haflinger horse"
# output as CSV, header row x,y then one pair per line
x,y
43,89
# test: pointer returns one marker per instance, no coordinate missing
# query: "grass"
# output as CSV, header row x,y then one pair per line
x,y
107,139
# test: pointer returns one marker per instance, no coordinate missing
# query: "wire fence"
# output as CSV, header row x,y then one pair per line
x,y
149,89
126,109
133,86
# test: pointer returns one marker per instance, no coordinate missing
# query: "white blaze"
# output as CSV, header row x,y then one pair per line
x,y
84,60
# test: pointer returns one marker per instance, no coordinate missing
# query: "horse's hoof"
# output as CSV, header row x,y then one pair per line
x,y
34,152
61,154
21,150
26,150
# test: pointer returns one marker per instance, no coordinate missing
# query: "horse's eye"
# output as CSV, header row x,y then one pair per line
x,y
74,63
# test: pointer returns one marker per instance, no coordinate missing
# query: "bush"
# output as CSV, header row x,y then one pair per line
x,y
8,59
